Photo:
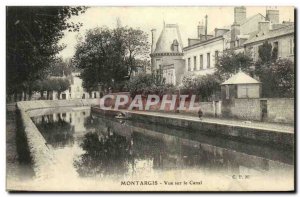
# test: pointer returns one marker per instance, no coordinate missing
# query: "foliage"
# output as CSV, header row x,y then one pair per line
x,y
276,75
107,57
148,84
205,86
32,38
265,52
230,62
60,68
277,78
51,84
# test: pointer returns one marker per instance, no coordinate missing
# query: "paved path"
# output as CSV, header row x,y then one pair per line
x,y
260,125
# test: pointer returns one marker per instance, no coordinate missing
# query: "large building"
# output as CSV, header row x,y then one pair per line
x,y
167,55
281,38
244,35
201,53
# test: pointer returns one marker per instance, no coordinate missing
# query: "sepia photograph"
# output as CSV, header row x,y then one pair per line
x,y
150,98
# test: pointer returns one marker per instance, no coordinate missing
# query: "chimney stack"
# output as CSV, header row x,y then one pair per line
x,y
239,14
272,16
200,30
264,26
206,27
153,31
235,31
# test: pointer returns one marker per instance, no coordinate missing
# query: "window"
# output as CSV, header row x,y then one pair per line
x,y
189,64
201,62
195,63
227,91
208,60
216,56
175,45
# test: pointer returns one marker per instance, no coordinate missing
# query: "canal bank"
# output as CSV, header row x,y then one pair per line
x,y
89,149
271,134
40,153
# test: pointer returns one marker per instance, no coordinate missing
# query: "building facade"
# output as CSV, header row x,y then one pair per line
x,y
75,91
167,54
282,40
245,35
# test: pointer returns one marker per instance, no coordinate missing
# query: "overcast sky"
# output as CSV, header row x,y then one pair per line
x,y
147,18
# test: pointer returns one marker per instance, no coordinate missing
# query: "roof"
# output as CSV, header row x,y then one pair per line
x,y
240,78
202,43
271,34
164,43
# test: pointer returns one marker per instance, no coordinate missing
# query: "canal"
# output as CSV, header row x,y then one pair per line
x,y
120,153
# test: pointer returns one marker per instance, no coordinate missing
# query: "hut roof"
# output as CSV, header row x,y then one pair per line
x,y
240,78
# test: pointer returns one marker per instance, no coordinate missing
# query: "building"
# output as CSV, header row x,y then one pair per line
x,y
202,53
240,85
167,54
75,91
281,37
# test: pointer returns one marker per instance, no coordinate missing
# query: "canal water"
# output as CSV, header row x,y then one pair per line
x,y
93,152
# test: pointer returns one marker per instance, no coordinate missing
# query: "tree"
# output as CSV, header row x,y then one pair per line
x,y
107,57
230,62
277,78
60,68
147,84
276,75
204,86
265,52
32,35
61,85
51,84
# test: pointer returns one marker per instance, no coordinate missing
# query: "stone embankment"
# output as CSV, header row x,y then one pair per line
x,y
42,155
270,134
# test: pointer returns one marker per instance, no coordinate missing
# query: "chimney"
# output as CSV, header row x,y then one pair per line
x,y
235,31
239,14
264,26
220,32
206,27
272,16
200,30
153,31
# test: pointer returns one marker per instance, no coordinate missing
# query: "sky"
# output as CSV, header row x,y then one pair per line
x,y
147,18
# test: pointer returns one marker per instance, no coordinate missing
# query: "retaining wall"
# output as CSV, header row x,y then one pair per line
x,y
256,135
42,155
281,110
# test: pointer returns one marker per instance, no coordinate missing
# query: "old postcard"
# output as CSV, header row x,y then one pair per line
x,y
150,98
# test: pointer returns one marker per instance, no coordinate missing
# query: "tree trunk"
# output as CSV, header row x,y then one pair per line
x,y
29,93
42,94
48,92
25,96
15,97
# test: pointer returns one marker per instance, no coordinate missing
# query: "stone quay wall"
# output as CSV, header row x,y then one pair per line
x,y
40,153
245,133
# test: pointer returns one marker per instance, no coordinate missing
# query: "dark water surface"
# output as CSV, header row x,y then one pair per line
x,y
92,146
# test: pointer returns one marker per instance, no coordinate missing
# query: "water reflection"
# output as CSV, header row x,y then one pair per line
x,y
114,148
104,155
